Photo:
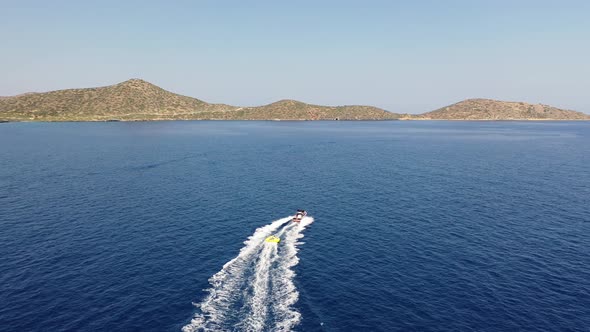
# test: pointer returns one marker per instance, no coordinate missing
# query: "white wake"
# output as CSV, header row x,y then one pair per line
x,y
255,290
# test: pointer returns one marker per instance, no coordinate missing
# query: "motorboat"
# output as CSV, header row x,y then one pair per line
x,y
299,215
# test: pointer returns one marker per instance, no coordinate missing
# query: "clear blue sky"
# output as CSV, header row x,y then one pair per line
x,y
410,56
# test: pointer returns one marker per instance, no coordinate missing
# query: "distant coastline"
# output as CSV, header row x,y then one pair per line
x,y
138,100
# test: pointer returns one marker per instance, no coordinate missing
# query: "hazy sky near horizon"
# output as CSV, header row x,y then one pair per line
x,y
404,56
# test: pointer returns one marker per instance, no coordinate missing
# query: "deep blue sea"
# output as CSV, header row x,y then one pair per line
x,y
413,226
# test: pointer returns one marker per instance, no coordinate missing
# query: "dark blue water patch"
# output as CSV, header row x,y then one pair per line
x,y
420,226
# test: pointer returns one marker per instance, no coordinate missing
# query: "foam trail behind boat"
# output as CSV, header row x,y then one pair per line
x,y
255,290
258,302
285,294
226,283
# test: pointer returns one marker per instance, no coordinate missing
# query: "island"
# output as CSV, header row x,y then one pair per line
x,y
139,100
488,109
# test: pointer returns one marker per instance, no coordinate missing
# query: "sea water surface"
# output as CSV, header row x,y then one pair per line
x,y
413,226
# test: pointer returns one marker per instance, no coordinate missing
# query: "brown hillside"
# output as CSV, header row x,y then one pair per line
x,y
296,110
130,100
136,99
487,109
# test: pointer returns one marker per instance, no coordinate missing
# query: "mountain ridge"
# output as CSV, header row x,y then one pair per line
x,y
490,109
138,100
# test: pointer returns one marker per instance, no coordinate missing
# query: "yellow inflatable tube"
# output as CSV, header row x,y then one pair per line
x,y
273,239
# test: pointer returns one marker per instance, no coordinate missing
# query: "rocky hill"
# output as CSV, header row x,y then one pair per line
x,y
296,110
488,109
130,100
137,100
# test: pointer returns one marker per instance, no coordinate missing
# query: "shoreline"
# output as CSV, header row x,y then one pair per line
x,y
297,120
